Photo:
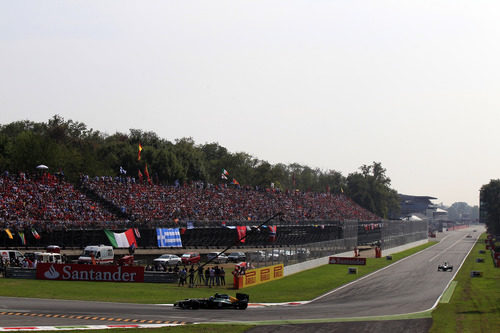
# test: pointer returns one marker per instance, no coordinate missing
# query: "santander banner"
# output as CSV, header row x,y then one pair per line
x,y
76,272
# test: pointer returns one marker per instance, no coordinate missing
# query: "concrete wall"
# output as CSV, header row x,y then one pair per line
x,y
296,268
404,247
303,266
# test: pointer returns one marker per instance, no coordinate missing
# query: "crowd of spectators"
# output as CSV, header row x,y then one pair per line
x,y
46,201
206,202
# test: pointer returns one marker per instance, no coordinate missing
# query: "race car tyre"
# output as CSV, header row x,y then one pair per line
x,y
242,306
195,305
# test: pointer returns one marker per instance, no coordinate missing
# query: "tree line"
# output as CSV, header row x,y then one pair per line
x,y
490,206
73,148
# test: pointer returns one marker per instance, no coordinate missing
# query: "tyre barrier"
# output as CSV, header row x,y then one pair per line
x,y
476,274
388,257
482,251
479,260
352,270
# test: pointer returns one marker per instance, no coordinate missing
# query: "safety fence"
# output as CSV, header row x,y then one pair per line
x,y
289,255
396,233
193,235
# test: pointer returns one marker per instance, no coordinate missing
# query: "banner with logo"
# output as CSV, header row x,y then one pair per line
x,y
256,276
347,261
77,272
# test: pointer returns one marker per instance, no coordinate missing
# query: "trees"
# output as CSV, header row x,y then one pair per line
x,y
490,205
459,211
73,148
370,188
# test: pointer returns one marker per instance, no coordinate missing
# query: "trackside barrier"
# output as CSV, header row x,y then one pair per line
x,y
496,258
30,273
458,227
160,277
257,276
20,273
347,261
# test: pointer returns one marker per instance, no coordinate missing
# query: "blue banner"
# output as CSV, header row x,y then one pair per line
x,y
168,237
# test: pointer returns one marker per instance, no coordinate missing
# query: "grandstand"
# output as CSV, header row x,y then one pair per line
x,y
411,204
60,211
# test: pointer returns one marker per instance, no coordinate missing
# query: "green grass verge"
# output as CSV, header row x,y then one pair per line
x,y
475,303
302,286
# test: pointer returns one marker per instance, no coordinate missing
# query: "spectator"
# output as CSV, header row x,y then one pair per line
x,y
182,277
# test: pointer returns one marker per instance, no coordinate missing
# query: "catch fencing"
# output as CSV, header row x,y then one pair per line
x,y
396,233
199,234
294,242
294,254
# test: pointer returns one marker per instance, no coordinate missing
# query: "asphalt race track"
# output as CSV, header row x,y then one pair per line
x,y
409,285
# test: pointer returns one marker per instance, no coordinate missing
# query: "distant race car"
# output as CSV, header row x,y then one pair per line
x,y
445,267
218,301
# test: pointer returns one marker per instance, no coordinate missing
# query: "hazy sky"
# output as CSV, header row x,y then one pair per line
x,y
329,84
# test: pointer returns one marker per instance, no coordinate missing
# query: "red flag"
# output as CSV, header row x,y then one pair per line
x,y
272,233
242,232
146,172
139,154
140,175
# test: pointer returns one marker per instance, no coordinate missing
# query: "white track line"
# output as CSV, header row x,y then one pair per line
x,y
18,328
453,278
366,276
437,255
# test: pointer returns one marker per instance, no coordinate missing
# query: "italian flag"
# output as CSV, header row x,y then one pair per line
x,y
123,239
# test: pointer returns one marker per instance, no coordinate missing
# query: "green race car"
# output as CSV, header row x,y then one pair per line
x,y
218,301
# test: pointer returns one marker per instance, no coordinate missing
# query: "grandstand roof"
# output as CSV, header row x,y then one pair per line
x,y
416,197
